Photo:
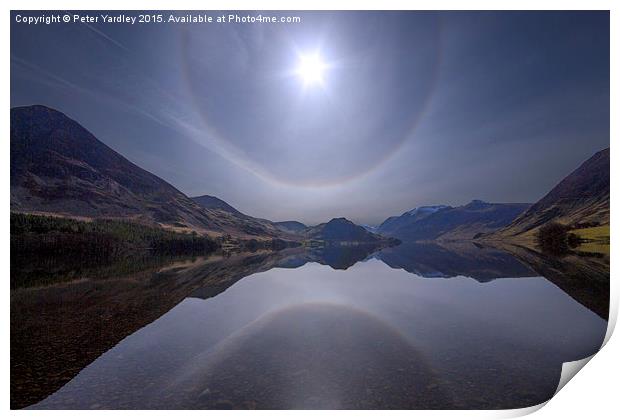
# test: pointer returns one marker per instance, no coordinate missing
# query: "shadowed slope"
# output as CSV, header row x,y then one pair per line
x,y
581,197
451,223
59,167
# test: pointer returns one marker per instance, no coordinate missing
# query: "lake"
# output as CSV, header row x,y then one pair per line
x,y
417,326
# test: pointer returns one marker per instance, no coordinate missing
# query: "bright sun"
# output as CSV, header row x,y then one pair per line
x,y
311,69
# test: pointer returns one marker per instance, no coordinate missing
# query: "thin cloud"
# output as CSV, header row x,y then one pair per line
x,y
103,35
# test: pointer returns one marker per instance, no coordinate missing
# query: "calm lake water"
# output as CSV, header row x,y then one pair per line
x,y
415,326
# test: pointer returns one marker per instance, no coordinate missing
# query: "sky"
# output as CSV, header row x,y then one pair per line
x,y
403,109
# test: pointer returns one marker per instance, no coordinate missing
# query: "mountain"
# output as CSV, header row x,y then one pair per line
x,y
341,230
451,223
210,202
288,227
582,198
396,222
372,229
291,226
58,167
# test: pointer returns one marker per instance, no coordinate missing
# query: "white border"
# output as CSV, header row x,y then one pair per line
x,y
592,395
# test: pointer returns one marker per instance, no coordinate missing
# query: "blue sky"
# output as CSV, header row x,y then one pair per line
x,y
414,108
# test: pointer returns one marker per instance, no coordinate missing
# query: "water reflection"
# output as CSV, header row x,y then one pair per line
x,y
309,328
312,355
584,276
455,259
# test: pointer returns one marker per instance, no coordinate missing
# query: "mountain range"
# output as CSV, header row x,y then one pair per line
x,y
580,200
432,223
59,168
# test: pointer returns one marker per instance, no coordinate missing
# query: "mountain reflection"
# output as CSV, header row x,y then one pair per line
x,y
455,259
61,324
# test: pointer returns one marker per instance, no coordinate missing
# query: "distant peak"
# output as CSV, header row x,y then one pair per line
x,y
340,220
425,209
477,203
212,202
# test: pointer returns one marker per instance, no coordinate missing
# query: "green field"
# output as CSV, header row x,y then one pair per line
x,y
596,239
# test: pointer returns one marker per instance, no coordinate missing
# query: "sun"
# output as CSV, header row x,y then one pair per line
x,y
311,69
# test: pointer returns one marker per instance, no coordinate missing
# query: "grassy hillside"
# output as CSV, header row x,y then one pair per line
x,y
594,239
581,198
